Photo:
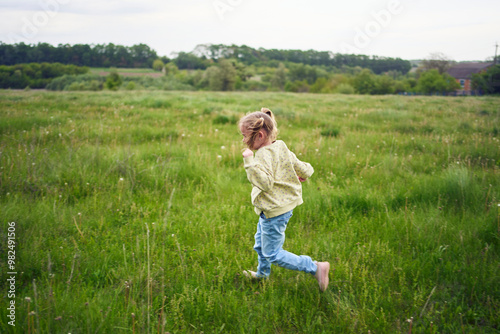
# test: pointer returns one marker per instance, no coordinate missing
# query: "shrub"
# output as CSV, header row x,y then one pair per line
x,y
158,65
90,82
130,85
35,75
344,88
113,80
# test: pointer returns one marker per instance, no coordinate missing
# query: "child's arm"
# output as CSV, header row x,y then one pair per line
x,y
258,174
304,170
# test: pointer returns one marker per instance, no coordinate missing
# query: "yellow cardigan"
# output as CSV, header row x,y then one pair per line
x,y
274,173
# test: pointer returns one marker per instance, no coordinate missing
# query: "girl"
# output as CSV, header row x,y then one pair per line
x,y
276,175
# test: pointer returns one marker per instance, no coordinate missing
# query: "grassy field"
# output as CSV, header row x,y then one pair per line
x,y
126,71
132,214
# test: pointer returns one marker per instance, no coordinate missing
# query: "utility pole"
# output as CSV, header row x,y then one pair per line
x,y
496,49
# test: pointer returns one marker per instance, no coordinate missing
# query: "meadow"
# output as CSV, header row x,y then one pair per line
x,y
132,214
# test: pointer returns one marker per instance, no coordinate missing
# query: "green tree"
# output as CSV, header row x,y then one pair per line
x,y
345,88
222,77
487,82
364,82
437,61
189,61
171,69
113,80
278,79
431,82
384,84
158,65
214,78
297,86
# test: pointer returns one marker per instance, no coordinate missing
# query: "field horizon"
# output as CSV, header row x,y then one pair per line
x,y
131,214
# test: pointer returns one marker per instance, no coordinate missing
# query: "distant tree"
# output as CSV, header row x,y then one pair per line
x,y
487,82
189,61
300,72
228,75
384,84
321,85
214,78
431,82
364,82
345,88
222,77
35,75
297,86
278,79
158,65
437,61
113,80
171,69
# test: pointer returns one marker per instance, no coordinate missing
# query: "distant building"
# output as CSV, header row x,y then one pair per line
x,y
462,72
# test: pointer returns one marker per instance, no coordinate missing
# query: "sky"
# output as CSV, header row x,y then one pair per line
x,y
461,30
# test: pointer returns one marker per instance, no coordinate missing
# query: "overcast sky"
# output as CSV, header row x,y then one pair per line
x,y
409,29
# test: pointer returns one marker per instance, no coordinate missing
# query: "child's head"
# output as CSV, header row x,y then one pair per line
x,y
257,124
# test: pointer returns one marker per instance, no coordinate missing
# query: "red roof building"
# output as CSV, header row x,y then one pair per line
x,y
462,72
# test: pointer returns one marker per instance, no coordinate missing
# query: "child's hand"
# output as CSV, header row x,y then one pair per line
x,y
301,179
247,153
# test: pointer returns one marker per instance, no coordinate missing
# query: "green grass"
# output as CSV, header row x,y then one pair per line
x,y
133,214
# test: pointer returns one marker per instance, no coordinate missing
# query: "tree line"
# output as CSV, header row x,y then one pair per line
x,y
35,75
203,54
232,75
99,55
226,68
142,56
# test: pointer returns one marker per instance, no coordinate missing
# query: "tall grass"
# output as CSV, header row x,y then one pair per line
x,y
133,214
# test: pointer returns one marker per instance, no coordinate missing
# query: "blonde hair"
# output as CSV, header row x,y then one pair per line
x,y
257,121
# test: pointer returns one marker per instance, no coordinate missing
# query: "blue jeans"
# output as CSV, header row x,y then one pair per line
x,y
269,241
